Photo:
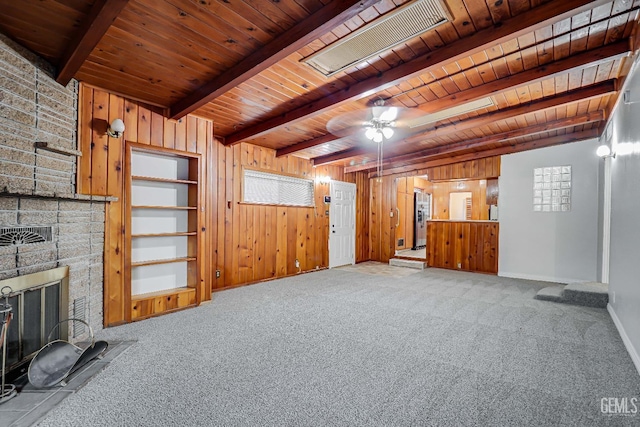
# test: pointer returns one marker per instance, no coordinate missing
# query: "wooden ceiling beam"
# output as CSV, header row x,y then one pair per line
x,y
476,143
508,149
305,144
300,35
597,90
536,18
584,59
91,31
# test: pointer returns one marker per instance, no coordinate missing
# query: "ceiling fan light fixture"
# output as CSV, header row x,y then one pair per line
x,y
377,137
370,133
389,115
387,132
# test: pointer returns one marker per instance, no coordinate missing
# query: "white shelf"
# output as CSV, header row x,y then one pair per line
x,y
163,221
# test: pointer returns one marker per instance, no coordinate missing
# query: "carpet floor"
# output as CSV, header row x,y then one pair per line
x,y
342,348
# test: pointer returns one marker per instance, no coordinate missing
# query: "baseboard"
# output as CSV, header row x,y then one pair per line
x,y
625,338
562,280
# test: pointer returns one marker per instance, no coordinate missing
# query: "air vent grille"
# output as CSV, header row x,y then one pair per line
x,y
451,112
10,236
79,312
382,34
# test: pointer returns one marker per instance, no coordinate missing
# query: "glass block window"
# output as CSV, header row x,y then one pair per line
x,y
273,189
552,189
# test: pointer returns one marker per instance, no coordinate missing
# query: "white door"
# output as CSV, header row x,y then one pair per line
x,y
342,224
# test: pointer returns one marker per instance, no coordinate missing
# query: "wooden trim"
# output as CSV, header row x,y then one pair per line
x,y
179,234
144,306
162,261
332,15
525,23
126,225
174,208
161,293
290,175
153,149
93,28
597,90
170,181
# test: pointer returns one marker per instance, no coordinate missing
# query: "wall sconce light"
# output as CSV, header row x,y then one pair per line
x,y
604,151
116,128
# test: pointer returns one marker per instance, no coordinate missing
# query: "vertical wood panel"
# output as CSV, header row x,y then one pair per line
x,y
102,172
472,245
100,143
114,296
144,125
85,135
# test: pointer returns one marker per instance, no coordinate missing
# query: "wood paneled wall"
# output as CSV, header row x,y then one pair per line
x,y
246,243
442,191
384,193
257,242
459,245
404,212
100,172
363,213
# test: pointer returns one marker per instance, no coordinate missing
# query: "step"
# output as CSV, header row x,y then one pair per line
x,y
551,293
418,265
590,294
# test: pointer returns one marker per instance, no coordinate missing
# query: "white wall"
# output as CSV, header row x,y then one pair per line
x,y
549,246
624,275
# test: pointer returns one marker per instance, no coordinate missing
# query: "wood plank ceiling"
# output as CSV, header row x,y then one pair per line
x,y
553,69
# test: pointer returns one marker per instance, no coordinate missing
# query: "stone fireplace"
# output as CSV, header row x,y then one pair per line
x,y
38,160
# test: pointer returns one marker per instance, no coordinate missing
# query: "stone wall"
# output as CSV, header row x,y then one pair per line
x,y
34,108
37,186
77,241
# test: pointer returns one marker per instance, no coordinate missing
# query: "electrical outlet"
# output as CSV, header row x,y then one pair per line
x,y
217,274
614,297
297,263
459,265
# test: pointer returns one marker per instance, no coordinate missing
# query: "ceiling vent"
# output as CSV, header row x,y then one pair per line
x,y
451,112
390,30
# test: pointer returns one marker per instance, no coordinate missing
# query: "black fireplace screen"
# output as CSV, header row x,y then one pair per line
x,y
35,312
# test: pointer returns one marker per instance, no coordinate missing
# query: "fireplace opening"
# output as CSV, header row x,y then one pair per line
x,y
39,302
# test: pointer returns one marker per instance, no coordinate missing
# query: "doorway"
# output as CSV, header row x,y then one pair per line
x,y
460,206
412,211
342,224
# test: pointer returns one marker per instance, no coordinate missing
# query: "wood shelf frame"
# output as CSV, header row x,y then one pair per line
x,y
177,234
175,208
162,261
183,177
167,180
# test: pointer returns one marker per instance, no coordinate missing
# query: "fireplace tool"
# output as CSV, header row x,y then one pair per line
x,y
59,358
7,391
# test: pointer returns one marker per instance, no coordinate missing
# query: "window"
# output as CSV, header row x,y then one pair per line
x,y
272,189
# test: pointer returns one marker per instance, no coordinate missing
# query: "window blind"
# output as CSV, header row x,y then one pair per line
x,y
273,189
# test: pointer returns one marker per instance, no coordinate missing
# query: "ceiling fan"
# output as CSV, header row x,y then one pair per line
x,y
377,124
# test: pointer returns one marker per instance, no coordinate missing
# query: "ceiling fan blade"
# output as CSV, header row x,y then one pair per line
x,y
389,115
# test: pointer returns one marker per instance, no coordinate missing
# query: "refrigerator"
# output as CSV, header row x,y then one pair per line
x,y
422,213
